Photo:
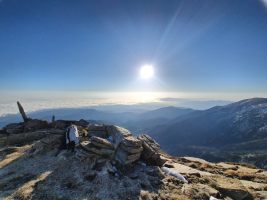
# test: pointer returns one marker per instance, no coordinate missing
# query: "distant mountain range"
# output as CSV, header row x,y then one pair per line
x,y
234,132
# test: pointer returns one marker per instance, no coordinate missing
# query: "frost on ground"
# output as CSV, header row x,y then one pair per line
x,y
37,169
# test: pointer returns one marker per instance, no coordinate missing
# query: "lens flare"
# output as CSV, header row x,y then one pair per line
x,y
147,71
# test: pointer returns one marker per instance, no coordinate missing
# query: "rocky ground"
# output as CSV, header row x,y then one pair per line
x,y
33,166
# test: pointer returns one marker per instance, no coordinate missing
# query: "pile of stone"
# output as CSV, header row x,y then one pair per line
x,y
129,150
99,146
114,142
108,141
151,153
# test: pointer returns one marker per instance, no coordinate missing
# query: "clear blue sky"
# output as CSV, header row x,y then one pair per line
x,y
204,46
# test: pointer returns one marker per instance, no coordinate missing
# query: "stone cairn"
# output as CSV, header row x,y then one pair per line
x,y
104,141
118,144
113,142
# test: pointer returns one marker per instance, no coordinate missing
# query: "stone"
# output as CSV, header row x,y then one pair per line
x,y
101,142
231,187
132,150
151,151
98,131
21,110
129,150
131,142
101,134
118,134
124,157
101,152
199,191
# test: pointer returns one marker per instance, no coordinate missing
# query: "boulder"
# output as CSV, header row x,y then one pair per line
x,y
89,147
129,150
101,143
151,151
102,152
117,134
98,131
231,187
132,150
124,157
200,191
131,142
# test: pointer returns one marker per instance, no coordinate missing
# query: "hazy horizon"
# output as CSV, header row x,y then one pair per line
x,y
34,101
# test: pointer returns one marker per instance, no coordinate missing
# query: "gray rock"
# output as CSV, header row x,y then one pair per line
x,y
151,151
14,128
101,143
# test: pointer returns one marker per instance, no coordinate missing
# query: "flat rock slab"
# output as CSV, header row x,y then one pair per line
x,y
86,145
101,142
131,142
132,150
232,188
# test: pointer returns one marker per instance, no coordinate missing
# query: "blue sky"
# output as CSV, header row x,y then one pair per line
x,y
195,46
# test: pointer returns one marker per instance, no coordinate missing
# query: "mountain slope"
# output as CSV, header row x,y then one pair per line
x,y
159,117
216,128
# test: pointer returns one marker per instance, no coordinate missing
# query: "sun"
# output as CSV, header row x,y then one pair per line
x,y
147,71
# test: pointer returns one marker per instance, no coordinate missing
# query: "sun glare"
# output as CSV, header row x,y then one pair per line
x,y
147,71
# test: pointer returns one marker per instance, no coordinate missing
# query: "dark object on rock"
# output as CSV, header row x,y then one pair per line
x,y
53,118
23,114
151,151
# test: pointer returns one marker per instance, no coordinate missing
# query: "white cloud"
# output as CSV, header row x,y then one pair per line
x,y
36,100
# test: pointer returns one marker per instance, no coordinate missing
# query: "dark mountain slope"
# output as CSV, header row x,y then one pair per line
x,y
159,117
216,128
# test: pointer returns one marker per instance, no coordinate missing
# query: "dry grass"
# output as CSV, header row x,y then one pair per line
x,y
145,195
20,151
25,191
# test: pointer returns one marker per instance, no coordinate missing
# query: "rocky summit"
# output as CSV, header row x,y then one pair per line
x,y
111,163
